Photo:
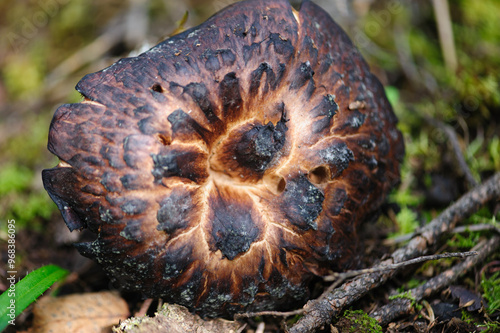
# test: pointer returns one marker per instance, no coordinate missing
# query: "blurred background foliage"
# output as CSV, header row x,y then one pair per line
x,y
46,46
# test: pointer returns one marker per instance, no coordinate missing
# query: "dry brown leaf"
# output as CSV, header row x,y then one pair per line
x,y
81,313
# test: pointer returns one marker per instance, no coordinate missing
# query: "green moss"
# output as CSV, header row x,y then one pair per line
x,y
491,291
407,221
401,295
467,317
22,77
413,283
361,322
464,242
490,327
20,201
407,295
30,147
14,178
35,205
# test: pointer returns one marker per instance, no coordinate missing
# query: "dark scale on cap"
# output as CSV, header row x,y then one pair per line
x,y
228,167
183,125
233,227
256,76
338,156
176,260
133,182
229,92
303,75
134,206
200,95
282,46
132,231
336,202
177,163
174,212
259,145
302,203
355,120
227,56
111,182
326,109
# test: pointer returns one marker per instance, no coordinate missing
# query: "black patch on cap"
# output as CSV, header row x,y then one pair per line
x,y
110,181
337,201
132,182
355,120
338,156
326,108
259,145
256,76
147,125
250,50
229,92
86,249
302,202
325,63
281,45
113,156
228,57
212,63
61,185
200,95
309,47
132,231
176,260
182,123
134,206
174,211
172,163
302,75
233,229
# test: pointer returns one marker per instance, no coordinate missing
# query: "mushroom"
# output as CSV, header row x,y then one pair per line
x,y
229,165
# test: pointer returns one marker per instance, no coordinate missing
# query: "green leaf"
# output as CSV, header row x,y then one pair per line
x,y
19,296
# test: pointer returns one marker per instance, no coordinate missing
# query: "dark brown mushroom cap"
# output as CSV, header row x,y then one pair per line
x,y
228,165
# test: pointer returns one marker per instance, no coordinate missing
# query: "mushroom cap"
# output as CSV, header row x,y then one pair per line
x,y
227,166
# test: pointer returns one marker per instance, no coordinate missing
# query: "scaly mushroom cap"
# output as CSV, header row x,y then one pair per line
x,y
228,165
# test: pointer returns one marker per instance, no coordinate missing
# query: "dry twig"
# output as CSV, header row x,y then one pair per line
x,y
402,306
457,230
320,312
338,278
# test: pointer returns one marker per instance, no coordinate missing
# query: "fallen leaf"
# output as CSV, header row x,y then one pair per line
x,y
80,313
466,298
446,311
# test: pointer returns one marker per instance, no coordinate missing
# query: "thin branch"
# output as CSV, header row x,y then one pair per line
x,y
320,312
402,306
340,277
269,313
381,268
458,230
476,227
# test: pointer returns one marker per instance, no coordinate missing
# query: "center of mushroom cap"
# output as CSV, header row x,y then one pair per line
x,y
249,150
